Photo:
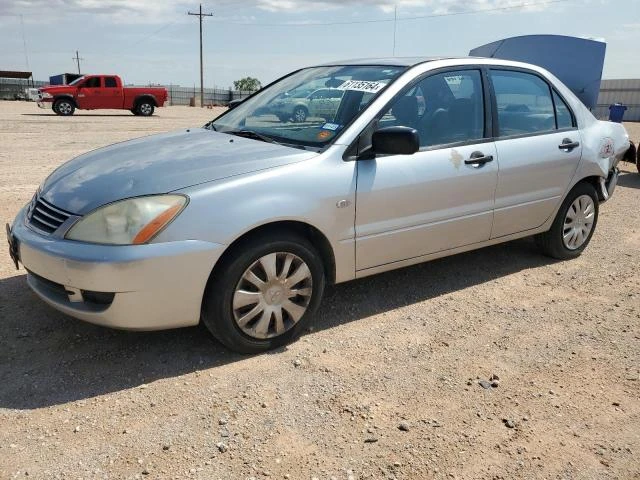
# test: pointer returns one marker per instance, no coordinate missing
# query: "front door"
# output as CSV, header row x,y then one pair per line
x,y
90,94
441,197
539,148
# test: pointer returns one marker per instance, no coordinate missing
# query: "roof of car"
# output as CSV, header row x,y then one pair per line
x,y
390,61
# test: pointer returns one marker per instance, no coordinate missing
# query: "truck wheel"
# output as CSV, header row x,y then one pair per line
x,y
145,108
574,224
134,111
64,107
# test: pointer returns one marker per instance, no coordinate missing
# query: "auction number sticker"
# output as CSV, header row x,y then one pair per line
x,y
362,86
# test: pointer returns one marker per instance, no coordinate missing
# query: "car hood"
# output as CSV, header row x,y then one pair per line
x,y
56,89
159,164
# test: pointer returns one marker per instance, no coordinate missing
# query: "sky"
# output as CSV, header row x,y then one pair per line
x,y
155,41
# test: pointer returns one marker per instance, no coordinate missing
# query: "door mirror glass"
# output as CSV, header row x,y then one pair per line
x,y
234,103
395,141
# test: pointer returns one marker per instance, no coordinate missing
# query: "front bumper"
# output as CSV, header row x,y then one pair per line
x,y
154,286
44,103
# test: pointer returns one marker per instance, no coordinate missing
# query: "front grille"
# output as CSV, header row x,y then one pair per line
x,y
45,217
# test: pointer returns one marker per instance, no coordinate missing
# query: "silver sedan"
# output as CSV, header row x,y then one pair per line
x,y
240,224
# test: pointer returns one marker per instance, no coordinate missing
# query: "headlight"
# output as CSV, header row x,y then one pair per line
x,y
128,222
46,95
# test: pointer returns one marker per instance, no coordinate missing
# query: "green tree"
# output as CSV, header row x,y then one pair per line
x,y
247,84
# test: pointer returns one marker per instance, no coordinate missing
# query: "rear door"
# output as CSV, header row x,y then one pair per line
x,y
90,94
442,196
112,94
539,148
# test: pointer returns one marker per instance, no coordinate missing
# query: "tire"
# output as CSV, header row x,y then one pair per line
x,y
134,111
299,114
64,107
145,108
230,299
582,198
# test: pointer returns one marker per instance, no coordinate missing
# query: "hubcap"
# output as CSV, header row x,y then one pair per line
x,y
145,108
300,115
578,222
64,107
272,295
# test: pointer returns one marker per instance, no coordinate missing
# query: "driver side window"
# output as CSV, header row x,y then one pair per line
x,y
444,108
93,82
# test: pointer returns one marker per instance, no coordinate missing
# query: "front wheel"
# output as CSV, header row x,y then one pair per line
x,y
64,107
574,224
264,294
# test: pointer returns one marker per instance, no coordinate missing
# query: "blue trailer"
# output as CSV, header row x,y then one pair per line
x,y
63,78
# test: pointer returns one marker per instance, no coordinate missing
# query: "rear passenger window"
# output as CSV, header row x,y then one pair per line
x,y
524,103
563,114
110,82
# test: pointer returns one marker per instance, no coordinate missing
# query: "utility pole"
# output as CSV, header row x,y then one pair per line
x,y
395,22
77,59
200,15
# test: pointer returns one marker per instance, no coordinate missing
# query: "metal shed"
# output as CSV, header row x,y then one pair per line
x,y
13,84
625,91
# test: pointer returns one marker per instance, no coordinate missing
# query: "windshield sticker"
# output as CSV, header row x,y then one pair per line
x,y
324,134
331,126
362,86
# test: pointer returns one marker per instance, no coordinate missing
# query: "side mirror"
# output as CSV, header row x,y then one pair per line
x,y
395,141
234,103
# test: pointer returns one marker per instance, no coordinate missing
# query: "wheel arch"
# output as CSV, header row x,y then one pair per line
x,y
295,227
594,181
65,97
142,97
301,105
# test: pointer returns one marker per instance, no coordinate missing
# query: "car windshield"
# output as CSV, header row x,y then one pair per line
x,y
308,108
77,80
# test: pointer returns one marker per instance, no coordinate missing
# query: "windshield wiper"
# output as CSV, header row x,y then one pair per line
x,y
252,134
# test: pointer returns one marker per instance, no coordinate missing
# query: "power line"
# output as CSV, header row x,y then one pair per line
x,y
400,19
200,15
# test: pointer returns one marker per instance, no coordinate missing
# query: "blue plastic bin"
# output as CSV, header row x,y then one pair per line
x,y
616,112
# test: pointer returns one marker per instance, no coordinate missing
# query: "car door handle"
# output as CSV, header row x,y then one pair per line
x,y
478,159
568,145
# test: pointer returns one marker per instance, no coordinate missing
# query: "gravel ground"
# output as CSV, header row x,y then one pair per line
x,y
387,386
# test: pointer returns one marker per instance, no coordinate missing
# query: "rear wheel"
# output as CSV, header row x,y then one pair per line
x,y
574,224
264,294
299,114
64,107
145,108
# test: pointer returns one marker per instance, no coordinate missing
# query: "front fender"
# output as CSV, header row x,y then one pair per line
x,y
319,192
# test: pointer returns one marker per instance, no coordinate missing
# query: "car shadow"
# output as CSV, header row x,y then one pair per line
x,y
629,180
79,115
47,358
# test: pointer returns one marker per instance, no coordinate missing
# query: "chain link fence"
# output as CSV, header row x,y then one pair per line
x,y
212,96
12,89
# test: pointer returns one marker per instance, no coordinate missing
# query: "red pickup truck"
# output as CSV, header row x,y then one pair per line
x,y
93,92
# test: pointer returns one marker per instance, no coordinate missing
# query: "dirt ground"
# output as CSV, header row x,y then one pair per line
x,y
386,386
